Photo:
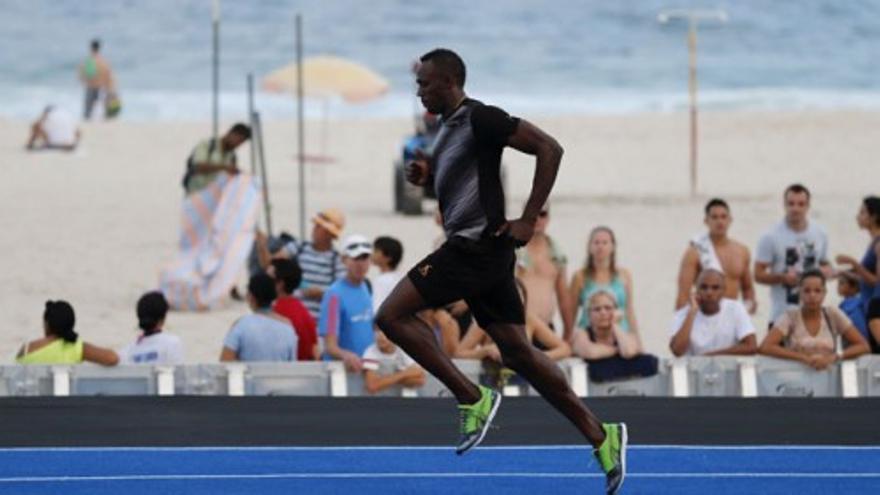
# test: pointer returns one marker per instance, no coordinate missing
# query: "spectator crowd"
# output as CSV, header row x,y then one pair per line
x,y
314,299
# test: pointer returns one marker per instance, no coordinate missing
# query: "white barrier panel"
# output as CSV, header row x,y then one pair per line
x,y
26,380
748,377
849,380
235,379
576,371
785,378
89,379
724,376
165,380
201,379
60,381
679,368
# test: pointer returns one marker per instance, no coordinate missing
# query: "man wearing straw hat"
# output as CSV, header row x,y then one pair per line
x,y
321,264
476,262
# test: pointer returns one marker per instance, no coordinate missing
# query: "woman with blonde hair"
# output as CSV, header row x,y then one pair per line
x,y
611,352
602,273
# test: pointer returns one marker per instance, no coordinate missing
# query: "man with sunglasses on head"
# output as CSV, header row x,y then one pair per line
x,y
346,323
477,261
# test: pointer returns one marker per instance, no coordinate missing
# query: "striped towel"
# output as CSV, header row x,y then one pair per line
x,y
217,234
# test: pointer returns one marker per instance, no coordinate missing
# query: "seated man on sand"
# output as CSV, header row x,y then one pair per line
x,y
263,335
712,324
56,129
714,249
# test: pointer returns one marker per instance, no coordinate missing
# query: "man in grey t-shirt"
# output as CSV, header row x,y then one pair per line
x,y
788,249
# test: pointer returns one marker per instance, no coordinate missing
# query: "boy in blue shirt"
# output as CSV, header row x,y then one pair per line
x,y
852,304
346,323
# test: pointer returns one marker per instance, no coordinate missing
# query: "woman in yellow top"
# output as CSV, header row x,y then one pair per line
x,y
62,345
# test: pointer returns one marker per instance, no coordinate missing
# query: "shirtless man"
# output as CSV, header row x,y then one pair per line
x,y
541,268
733,257
96,76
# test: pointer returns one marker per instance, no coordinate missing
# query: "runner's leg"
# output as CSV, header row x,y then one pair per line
x,y
542,373
396,317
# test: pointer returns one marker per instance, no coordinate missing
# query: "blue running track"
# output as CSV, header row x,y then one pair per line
x,y
385,470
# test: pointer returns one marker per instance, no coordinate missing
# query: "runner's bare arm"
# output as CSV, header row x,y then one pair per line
x,y
530,139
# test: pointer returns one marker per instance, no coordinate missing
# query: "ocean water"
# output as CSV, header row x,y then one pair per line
x,y
532,57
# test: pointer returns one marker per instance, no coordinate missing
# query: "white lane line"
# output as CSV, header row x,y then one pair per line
x,y
173,477
432,448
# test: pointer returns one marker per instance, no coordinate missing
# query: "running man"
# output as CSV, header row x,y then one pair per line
x,y
477,261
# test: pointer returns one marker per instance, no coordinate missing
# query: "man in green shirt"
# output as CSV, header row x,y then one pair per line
x,y
211,157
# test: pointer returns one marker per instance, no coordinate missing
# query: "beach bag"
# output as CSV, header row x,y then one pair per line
x,y
112,105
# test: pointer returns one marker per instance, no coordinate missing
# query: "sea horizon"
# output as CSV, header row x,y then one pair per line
x,y
532,58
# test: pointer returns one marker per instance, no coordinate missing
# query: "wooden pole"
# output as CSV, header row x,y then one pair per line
x,y
693,17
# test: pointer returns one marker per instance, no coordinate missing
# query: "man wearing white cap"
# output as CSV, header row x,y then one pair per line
x,y
321,264
346,322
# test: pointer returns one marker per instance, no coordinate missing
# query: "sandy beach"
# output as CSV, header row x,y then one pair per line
x,y
95,226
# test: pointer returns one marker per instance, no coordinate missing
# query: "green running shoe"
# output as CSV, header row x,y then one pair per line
x,y
476,418
612,456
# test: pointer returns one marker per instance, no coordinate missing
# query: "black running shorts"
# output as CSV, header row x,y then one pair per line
x,y
480,272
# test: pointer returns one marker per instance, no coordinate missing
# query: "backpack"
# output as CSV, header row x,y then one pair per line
x,y
191,166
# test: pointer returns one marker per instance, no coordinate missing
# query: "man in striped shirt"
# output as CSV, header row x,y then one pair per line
x,y
321,264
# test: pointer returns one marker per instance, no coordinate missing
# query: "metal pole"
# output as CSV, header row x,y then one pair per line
x,y
250,100
267,205
300,118
215,11
693,17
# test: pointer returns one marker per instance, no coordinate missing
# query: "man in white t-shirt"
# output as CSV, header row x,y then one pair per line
x,y
710,324
55,129
387,253
386,365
